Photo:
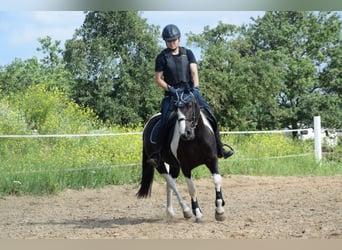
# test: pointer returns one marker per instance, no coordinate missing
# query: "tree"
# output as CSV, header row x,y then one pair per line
x,y
52,65
111,58
18,75
49,71
310,44
278,71
238,83
330,77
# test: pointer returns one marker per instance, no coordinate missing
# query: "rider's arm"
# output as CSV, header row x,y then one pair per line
x,y
194,74
158,77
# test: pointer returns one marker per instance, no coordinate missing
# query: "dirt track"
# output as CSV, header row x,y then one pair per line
x,y
256,207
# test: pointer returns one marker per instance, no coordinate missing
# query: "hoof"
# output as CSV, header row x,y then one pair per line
x,y
170,215
220,217
199,220
187,214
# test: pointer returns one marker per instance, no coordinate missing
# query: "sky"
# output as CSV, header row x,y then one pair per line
x,y
20,30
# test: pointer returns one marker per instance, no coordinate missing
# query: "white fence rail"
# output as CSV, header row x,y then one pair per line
x,y
317,137
69,135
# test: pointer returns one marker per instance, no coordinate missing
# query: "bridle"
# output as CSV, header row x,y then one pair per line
x,y
184,98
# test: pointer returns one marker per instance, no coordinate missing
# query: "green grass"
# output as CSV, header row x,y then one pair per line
x,y
54,182
50,165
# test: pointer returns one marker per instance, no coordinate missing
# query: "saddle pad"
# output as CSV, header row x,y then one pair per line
x,y
154,132
156,127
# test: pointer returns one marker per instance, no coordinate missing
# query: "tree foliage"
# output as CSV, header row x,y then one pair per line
x,y
19,75
306,40
235,77
279,71
49,71
111,58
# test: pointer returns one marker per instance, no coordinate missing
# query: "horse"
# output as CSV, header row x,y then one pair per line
x,y
192,143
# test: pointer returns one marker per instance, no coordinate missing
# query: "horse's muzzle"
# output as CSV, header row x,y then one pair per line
x,y
188,135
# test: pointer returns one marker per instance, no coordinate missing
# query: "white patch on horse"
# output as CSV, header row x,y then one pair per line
x,y
181,121
206,122
179,129
175,140
167,166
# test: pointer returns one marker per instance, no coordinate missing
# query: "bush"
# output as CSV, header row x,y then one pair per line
x,y
51,111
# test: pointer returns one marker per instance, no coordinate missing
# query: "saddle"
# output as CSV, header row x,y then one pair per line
x,y
155,130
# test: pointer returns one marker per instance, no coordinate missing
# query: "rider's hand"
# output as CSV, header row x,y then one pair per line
x,y
172,90
195,91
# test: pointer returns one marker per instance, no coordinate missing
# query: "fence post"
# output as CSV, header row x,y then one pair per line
x,y
318,138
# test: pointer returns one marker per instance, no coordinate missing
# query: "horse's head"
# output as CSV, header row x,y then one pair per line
x,y
188,113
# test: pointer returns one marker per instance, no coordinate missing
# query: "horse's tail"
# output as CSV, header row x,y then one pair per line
x,y
147,178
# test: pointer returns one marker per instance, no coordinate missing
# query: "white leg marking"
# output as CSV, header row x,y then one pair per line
x,y
192,192
191,188
169,208
171,184
217,179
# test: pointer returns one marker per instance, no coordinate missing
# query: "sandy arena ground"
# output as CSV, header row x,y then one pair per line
x,y
256,208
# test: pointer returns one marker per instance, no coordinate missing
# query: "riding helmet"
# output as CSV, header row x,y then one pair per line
x,y
171,32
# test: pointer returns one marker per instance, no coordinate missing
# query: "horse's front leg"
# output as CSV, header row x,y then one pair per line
x,y
219,202
196,210
169,208
171,186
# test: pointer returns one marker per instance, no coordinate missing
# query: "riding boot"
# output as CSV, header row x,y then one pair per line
x,y
221,151
155,157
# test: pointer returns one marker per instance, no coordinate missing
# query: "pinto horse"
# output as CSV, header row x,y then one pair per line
x,y
191,144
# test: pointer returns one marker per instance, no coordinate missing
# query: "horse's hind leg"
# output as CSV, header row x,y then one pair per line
x,y
171,186
219,202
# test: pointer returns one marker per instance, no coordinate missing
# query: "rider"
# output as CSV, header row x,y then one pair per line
x,y
176,67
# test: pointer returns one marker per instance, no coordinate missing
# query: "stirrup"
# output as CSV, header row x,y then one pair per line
x,y
226,153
